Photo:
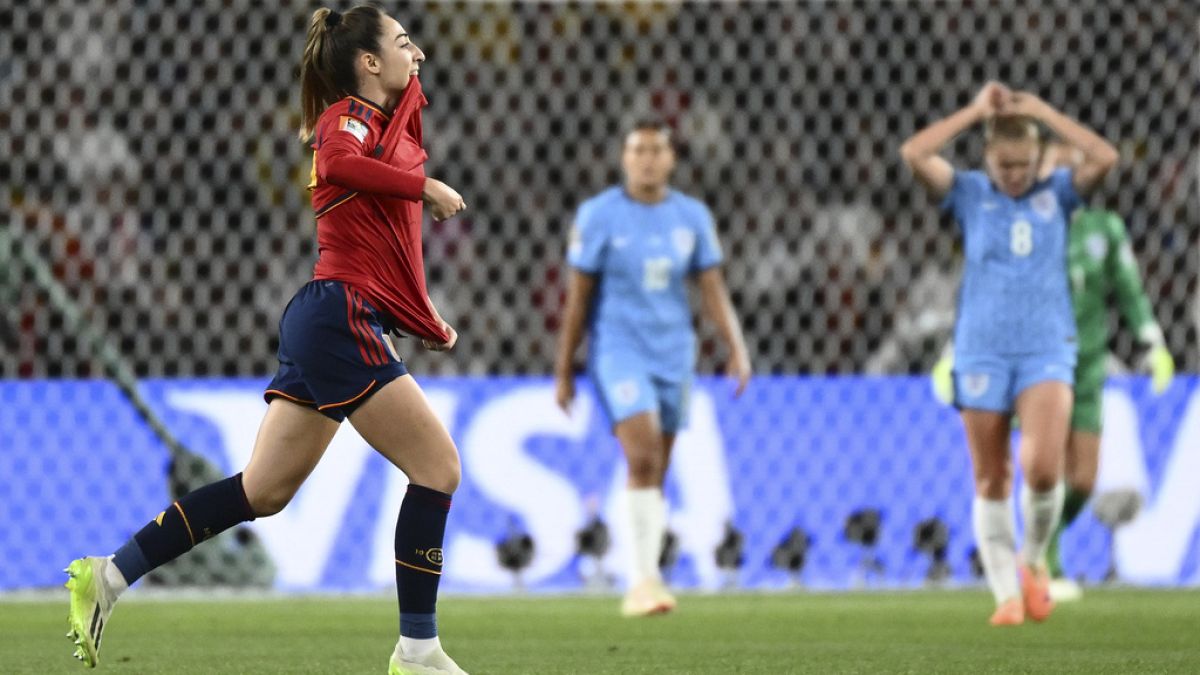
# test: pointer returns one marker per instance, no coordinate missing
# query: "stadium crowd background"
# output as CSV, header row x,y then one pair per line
x,y
150,157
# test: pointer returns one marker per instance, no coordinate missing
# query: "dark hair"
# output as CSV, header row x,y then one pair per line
x,y
650,124
327,67
1011,128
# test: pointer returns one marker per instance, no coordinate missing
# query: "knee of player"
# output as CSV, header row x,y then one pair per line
x,y
1081,479
1041,478
993,485
644,468
268,502
443,475
451,475
1082,484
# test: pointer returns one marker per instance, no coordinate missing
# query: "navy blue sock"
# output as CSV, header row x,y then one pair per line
x,y
130,560
198,515
419,532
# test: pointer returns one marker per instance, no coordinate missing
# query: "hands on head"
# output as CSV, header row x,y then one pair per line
x,y
996,99
992,98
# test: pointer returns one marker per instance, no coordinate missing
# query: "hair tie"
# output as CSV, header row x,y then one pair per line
x,y
332,19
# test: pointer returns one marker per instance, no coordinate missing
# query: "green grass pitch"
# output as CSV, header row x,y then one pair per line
x,y
1111,631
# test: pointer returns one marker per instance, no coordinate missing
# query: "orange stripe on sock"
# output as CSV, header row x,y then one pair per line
x,y
348,401
186,523
419,569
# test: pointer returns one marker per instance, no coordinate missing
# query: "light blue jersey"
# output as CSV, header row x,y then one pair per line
x,y
1015,298
642,255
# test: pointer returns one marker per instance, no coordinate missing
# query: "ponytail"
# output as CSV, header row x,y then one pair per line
x,y
327,67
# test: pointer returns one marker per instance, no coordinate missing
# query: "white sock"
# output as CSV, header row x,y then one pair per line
x,y
647,522
1041,512
996,536
415,648
114,579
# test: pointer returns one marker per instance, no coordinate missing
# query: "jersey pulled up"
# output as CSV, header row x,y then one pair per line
x,y
367,179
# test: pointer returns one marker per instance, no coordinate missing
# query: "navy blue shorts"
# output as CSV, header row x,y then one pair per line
x,y
332,353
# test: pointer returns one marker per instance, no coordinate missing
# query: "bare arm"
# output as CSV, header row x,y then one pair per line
x,y
920,152
580,288
1099,156
719,309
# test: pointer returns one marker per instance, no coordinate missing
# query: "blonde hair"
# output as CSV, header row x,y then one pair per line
x,y
1011,128
327,66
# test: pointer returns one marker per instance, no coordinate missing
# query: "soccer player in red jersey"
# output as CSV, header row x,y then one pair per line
x,y
362,107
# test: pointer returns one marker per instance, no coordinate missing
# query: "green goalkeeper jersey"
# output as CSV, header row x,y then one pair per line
x,y
1101,261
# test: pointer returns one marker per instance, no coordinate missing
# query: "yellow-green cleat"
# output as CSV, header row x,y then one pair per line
x,y
91,605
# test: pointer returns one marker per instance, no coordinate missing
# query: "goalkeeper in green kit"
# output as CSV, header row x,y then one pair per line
x,y
1101,266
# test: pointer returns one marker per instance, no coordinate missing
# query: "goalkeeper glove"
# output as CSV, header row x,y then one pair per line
x,y
942,378
1161,366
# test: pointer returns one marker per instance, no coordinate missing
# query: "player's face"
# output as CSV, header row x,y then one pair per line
x,y
648,158
1012,164
399,58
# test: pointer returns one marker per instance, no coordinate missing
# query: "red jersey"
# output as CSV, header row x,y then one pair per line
x,y
367,180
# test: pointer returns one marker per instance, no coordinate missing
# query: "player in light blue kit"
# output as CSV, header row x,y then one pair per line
x,y
633,249
1014,340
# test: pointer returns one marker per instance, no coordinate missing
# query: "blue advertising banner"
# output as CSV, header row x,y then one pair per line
x,y
80,472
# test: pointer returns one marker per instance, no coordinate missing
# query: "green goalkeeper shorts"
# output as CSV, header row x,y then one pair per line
x,y
1089,391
